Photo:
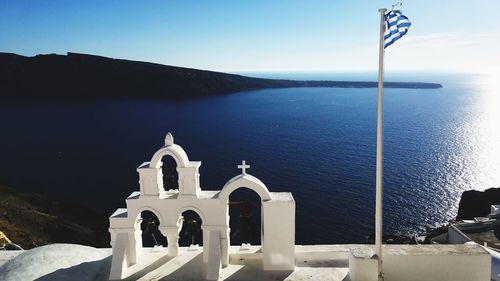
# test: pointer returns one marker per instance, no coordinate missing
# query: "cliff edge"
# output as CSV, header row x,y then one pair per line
x,y
32,220
475,203
82,76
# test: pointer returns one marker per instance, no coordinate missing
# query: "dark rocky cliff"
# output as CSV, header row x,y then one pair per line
x,y
475,203
80,76
32,220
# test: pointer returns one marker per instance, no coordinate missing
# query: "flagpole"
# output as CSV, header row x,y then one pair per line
x,y
378,195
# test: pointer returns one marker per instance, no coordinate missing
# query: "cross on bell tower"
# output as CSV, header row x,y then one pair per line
x,y
243,167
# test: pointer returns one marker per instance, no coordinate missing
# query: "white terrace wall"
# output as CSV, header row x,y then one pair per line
x,y
278,245
424,262
437,262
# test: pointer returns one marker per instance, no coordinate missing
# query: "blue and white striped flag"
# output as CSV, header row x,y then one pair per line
x,y
396,25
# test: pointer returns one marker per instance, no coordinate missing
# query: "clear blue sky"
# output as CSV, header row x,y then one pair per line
x,y
257,35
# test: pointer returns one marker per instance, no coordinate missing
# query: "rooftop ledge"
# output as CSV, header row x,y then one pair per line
x,y
209,194
313,262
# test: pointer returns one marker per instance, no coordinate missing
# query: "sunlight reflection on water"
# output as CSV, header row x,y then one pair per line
x,y
485,133
475,161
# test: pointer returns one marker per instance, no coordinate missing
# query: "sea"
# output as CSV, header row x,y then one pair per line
x,y
318,143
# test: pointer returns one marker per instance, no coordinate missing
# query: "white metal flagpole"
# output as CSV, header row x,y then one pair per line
x,y
378,195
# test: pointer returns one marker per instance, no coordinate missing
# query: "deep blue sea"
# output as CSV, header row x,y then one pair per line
x,y
318,143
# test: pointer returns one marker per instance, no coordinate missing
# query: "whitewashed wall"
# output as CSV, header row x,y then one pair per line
x,y
425,262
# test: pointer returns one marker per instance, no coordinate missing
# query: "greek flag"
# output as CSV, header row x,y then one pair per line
x,y
396,25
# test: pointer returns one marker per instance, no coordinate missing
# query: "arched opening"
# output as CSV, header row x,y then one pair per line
x,y
151,235
169,172
191,232
245,217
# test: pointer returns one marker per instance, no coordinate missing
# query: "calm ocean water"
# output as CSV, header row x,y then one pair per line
x,y
318,143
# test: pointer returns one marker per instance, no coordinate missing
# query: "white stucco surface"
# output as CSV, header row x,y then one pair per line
x,y
5,256
316,262
495,263
57,262
188,265
437,262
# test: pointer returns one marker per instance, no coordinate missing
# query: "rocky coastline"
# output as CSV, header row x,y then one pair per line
x,y
82,77
31,220
475,203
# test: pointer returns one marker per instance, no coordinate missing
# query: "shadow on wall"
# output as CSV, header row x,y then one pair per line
x,y
252,270
91,271
163,260
191,270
